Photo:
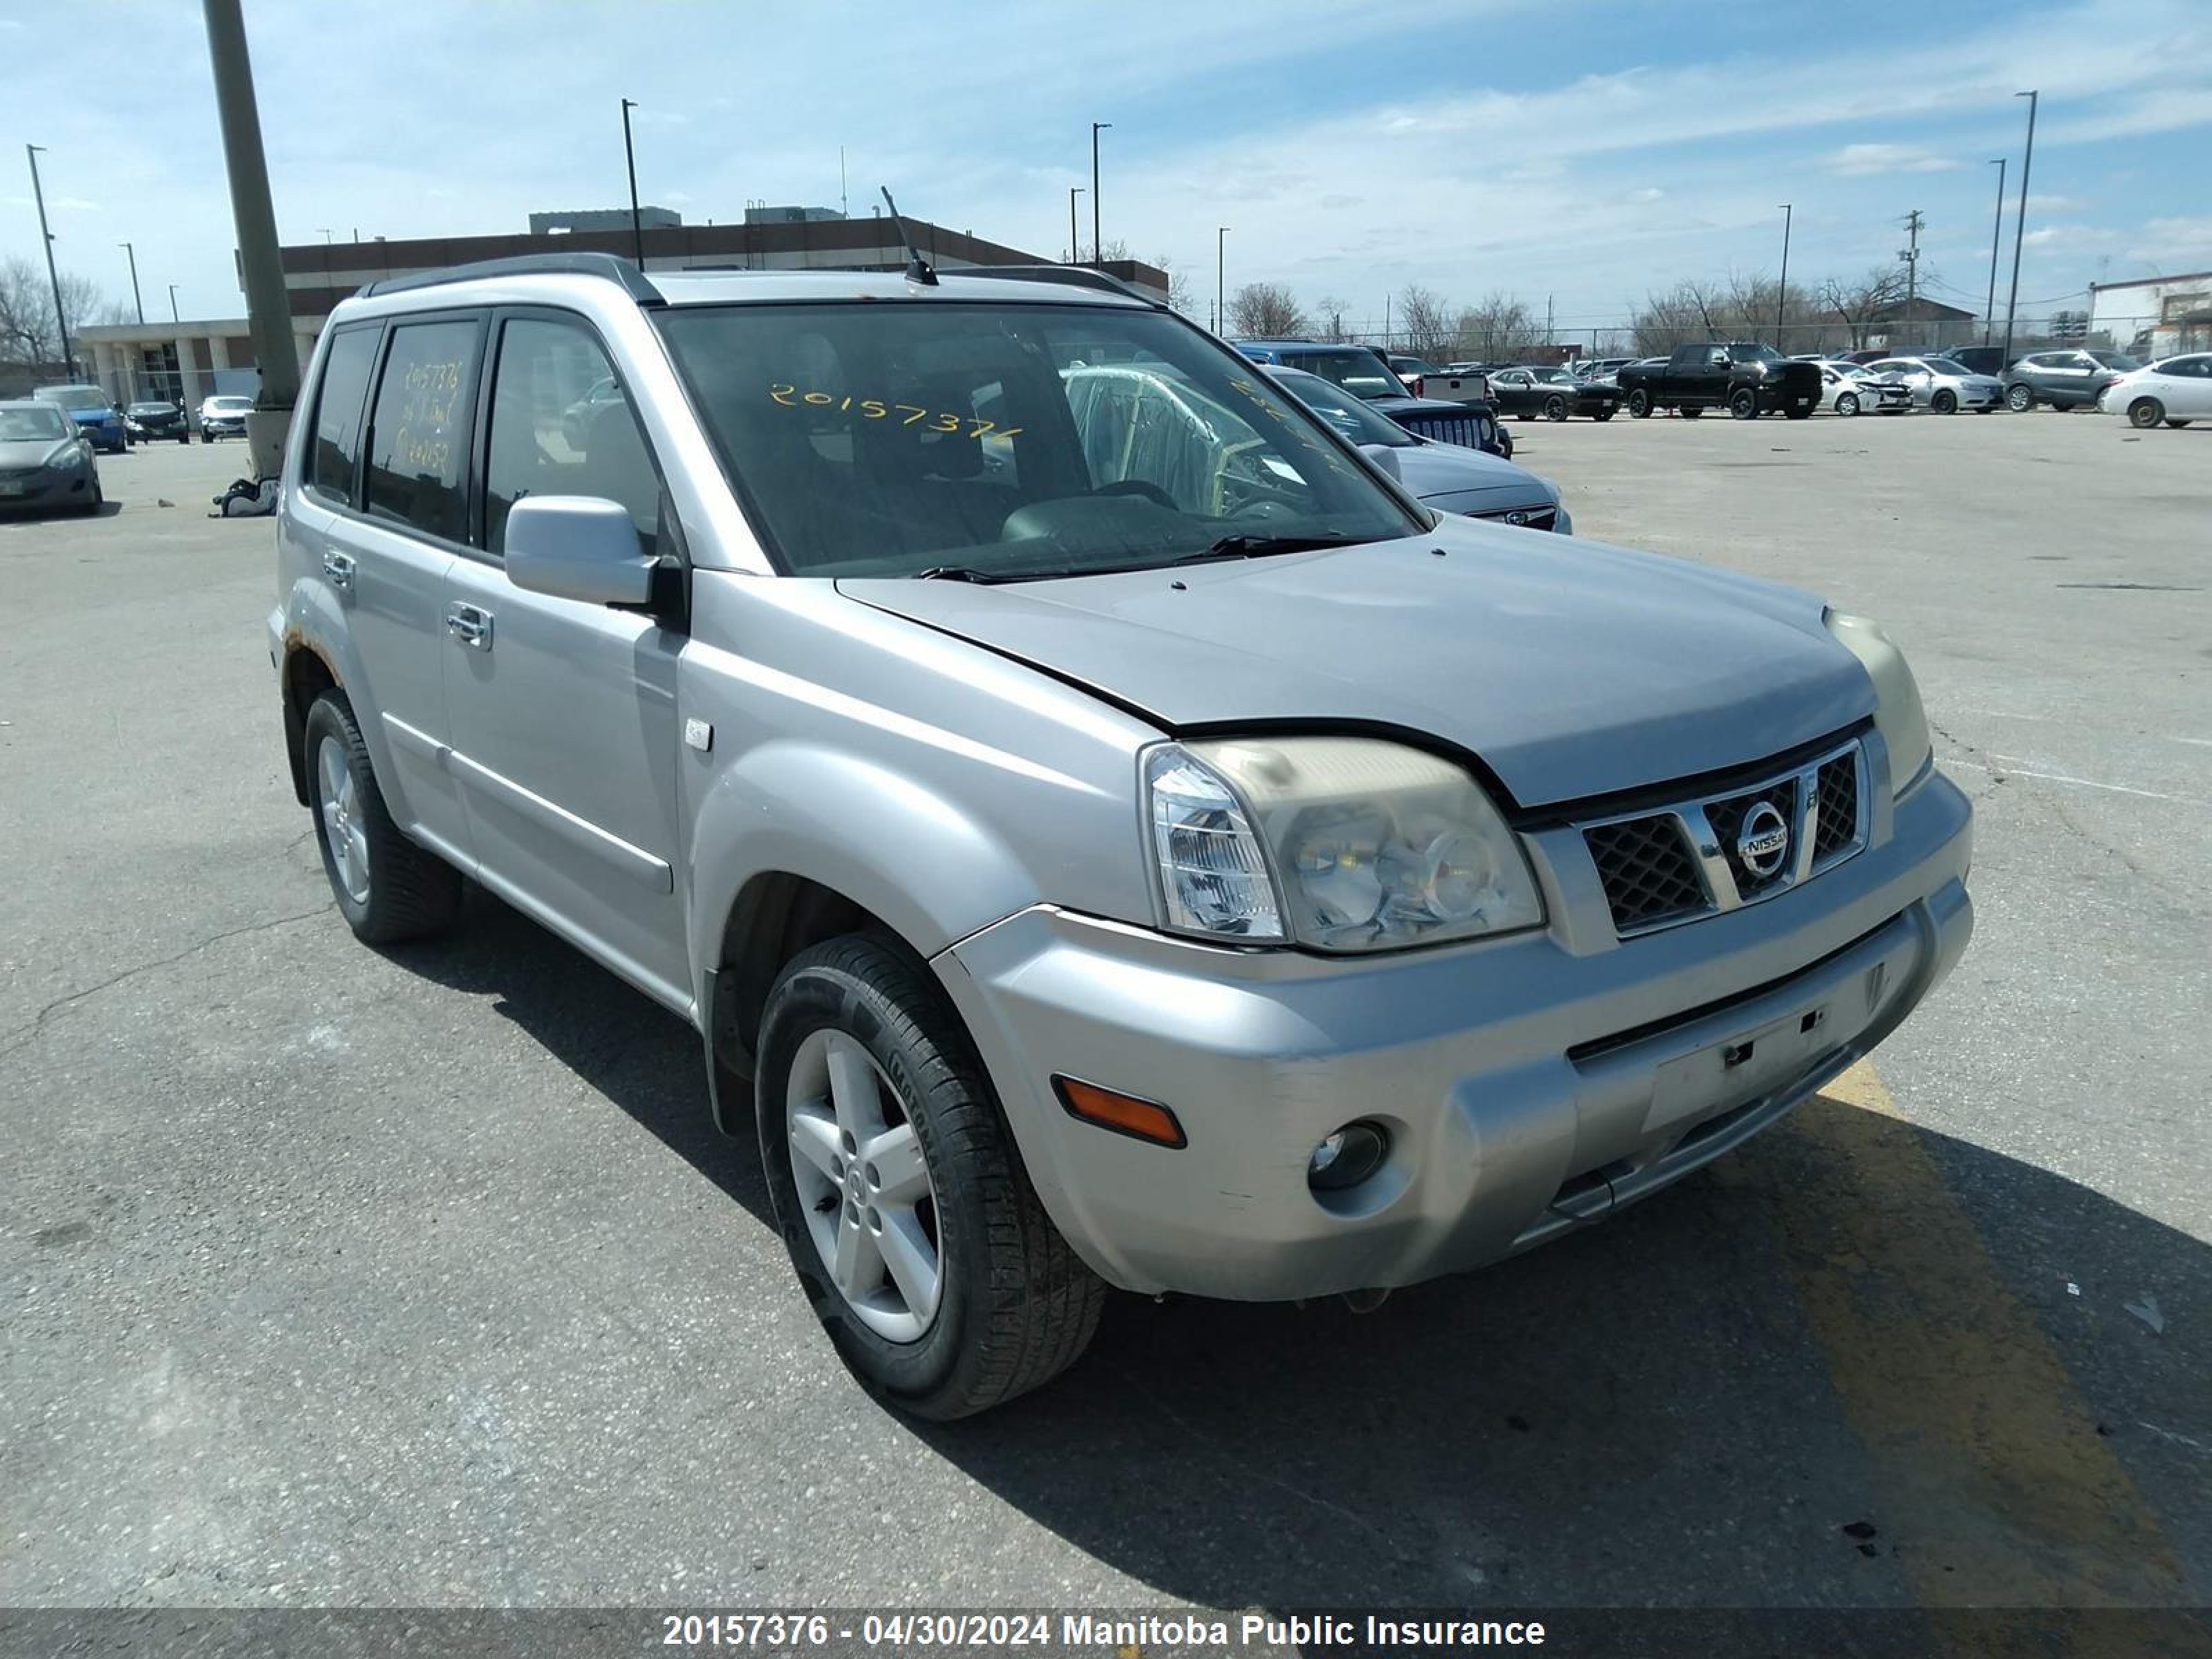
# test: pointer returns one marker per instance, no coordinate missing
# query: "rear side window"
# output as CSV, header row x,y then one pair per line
x,y
560,426
418,435
334,456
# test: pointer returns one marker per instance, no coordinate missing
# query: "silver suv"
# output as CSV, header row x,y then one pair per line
x,y
1095,849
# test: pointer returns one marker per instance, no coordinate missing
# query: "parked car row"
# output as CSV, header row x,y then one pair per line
x,y
114,427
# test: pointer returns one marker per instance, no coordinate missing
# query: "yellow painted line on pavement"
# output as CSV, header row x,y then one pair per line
x,y
1995,1486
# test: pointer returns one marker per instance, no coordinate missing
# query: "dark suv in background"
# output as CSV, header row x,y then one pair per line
x,y
2065,379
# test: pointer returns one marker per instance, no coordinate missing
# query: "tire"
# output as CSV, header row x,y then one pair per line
x,y
1555,408
2145,413
1796,414
1743,404
1639,404
98,500
2176,425
1690,411
1945,403
1847,403
1603,414
2063,409
1011,1306
2020,398
396,891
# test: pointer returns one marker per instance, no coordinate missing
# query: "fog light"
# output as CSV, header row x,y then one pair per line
x,y
1348,1158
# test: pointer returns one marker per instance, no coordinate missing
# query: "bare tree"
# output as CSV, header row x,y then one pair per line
x,y
1857,304
1500,326
1425,323
1329,318
27,333
1266,311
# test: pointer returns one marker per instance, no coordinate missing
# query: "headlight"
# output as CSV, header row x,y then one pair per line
x,y
1337,843
1898,714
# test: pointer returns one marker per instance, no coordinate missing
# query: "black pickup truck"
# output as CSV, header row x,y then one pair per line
x,y
1745,379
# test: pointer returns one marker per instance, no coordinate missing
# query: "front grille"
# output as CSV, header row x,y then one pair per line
x,y
1727,817
1528,518
1469,431
1648,874
1836,821
1679,862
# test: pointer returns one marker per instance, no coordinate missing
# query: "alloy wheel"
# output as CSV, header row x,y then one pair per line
x,y
339,804
864,1186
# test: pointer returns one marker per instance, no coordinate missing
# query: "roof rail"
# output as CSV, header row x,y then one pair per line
x,y
1069,276
612,266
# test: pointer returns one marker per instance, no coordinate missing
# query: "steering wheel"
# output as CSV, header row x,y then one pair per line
x,y
1140,487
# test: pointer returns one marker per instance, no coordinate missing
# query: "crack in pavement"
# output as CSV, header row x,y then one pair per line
x,y
23,1035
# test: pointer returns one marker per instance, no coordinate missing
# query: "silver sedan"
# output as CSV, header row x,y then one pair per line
x,y
1941,384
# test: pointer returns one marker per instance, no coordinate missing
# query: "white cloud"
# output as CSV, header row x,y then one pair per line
x,y
2164,240
1858,160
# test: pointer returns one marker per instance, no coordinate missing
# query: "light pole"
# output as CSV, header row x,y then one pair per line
x,y
172,304
1782,288
61,320
268,311
1074,241
2020,225
135,299
1220,283
1097,254
323,232
1996,235
630,157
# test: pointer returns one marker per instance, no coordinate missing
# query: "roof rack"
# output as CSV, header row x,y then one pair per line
x,y
1069,276
612,266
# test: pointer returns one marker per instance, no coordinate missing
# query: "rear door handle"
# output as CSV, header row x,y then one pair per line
x,y
337,570
469,624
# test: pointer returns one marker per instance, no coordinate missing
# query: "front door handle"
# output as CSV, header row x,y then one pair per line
x,y
469,624
337,569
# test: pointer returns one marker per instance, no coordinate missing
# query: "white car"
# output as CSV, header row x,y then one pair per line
x,y
2174,390
1850,389
1939,384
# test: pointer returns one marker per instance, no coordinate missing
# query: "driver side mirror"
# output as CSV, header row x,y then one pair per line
x,y
1384,457
577,547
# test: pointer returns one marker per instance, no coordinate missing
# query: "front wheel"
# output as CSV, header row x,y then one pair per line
x,y
1945,403
2145,413
2019,400
1555,408
1639,404
1848,403
1743,404
388,888
901,1200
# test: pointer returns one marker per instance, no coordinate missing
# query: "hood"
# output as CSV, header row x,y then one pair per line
x,y
20,454
94,416
1571,669
1433,472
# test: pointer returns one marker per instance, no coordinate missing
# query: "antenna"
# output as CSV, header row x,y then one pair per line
x,y
917,268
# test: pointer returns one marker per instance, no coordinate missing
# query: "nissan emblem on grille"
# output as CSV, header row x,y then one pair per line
x,y
1763,841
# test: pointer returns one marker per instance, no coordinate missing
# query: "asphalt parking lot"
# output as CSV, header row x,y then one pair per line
x,y
340,1277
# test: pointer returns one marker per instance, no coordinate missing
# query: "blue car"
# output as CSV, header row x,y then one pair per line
x,y
94,413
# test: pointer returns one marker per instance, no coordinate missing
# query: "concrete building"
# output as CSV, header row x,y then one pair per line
x,y
183,361
555,224
2153,317
1921,324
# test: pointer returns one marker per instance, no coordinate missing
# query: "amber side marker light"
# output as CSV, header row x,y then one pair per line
x,y
1144,1120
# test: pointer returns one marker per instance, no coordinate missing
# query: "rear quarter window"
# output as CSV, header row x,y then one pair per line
x,y
333,467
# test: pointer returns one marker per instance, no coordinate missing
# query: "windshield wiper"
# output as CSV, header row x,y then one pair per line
x,y
955,573
1260,547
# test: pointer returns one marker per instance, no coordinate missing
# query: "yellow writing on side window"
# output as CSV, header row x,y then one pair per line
x,y
874,409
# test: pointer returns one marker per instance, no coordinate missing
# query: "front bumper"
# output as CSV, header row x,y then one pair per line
x,y
1530,1084
46,489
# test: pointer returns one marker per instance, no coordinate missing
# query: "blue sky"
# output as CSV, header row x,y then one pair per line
x,y
1582,152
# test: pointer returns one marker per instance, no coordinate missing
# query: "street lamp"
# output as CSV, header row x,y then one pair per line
x,y
1996,235
323,232
1220,282
1781,287
61,320
2020,225
135,299
1097,253
630,157
172,304
1074,242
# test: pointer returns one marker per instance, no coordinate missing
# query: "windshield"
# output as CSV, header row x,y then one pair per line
x,y
230,405
155,407
1356,370
22,424
2116,360
76,396
1002,442
1349,414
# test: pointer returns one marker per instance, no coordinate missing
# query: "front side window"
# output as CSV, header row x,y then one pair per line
x,y
560,426
1945,366
334,452
1008,441
418,438
1355,368
25,424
